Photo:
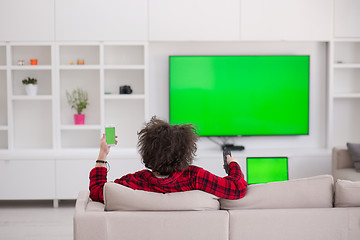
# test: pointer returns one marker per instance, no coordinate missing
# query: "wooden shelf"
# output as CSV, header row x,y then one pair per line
x,y
124,67
80,127
79,67
123,96
31,67
346,40
31,98
347,95
347,65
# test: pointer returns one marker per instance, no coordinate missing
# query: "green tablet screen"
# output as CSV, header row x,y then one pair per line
x,y
266,169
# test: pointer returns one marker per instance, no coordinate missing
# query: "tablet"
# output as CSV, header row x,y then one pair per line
x,y
266,169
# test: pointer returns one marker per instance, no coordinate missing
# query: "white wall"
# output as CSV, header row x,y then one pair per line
x,y
158,81
305,158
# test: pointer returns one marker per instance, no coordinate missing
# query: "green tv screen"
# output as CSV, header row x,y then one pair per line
x,y
266,169
240,95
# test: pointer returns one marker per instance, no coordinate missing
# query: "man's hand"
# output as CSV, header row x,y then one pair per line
x,y
230,159
104,150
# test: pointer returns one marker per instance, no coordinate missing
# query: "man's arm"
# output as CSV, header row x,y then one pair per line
x,y
98,175
98,178
231,187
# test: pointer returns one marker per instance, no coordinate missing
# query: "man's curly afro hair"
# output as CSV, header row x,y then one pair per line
x,y
166,148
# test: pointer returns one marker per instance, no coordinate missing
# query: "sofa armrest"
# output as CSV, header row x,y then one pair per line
x,y
341,159
81,202
88,225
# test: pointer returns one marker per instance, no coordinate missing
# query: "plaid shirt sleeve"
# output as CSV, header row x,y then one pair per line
x,y
98,178
231,187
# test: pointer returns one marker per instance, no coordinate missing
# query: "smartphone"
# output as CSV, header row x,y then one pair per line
x,y
110,135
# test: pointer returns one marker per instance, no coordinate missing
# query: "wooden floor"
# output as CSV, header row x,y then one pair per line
x,y
36,220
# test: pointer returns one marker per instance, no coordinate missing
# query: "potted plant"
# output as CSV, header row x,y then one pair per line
x,y
78,99
31,86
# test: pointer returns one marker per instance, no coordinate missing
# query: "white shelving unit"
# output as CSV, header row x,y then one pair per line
x,y
107,66
30,118
87,77
344,92
3,99
46,121
38,132
125,65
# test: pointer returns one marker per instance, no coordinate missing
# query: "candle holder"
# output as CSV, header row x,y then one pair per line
x,y
33,61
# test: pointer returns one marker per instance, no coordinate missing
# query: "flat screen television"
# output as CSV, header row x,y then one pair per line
x,y
240,95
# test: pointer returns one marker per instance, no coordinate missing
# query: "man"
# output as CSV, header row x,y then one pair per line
x,y
168,151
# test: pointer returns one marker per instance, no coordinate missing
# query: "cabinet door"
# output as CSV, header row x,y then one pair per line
x,y
286,20
193,20
27,179
101,20
347,18
24,20
72,176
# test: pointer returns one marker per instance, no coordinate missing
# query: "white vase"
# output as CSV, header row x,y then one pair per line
x,y
31,89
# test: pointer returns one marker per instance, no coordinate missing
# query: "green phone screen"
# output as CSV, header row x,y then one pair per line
x,y
110,135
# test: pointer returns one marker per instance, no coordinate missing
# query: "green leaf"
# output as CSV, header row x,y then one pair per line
x,y
78,99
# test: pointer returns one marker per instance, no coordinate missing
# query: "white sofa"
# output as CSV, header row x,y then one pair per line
x,y
295,209
343,166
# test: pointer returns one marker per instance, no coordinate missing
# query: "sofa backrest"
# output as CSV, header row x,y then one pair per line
x,y
341,159
347,193
312,192
119,197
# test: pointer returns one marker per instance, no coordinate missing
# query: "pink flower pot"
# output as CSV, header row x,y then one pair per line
x,y
79,119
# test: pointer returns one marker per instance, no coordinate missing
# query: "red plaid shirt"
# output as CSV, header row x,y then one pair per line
x,y
193,178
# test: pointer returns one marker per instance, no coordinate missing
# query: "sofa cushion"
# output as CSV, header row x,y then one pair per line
x,y
93,206
119,197
354,150
312,192
347,193
347,174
